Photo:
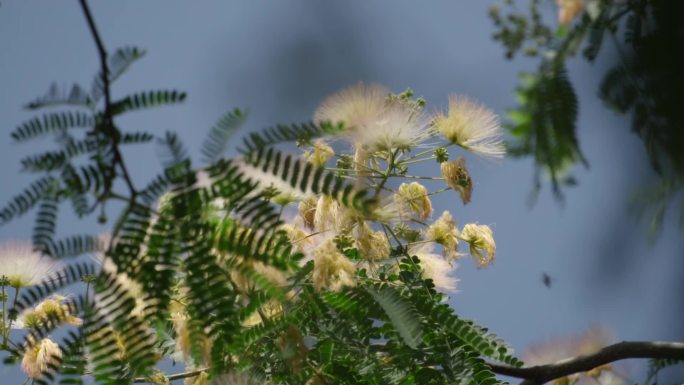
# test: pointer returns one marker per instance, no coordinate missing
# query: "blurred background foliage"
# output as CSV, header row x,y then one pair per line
x,y
644,83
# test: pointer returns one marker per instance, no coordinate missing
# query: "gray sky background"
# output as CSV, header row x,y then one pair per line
x,y
280,59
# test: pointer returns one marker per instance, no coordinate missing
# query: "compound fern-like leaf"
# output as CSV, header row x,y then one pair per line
x,y
404,317
23,202
52,123
147,99
217,141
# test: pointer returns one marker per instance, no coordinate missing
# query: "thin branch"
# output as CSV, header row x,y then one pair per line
x,y
108,117
620,351
415,177
173,377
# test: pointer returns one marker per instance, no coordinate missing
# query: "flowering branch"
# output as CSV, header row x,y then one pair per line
x,y
627,349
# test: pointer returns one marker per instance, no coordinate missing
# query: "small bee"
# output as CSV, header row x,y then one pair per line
x,y
547,280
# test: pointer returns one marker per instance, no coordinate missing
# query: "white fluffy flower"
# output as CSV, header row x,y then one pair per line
x,y
373,245
331,215
355,106
22,265
472,126
435,267
268,179
398,126
374,122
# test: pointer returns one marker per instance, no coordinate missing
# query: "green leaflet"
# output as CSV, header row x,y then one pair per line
x,y
147,99
171,150
23,202
216,142
404,317
46,221
119,62
656,365
288,133
470,334
54,97
54,160
52,123
74,246
306,178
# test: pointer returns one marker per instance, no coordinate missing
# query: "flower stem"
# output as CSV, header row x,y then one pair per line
x,y
2,319
10,321
416,177
418,155
439,191
405,162
390,167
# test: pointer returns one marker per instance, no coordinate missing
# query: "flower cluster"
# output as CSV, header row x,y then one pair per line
x,y
383,135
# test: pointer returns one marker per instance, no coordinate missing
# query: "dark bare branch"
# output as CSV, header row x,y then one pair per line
x,y
108,118
620,351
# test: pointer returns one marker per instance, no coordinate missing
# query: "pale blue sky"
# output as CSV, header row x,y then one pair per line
x,y
280,59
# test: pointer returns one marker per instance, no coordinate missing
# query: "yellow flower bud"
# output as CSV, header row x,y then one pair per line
x,y
283,198
412,198
435,267
320,153
444,232
482,246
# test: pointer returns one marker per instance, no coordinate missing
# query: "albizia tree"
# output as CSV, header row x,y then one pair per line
x,y
324,267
